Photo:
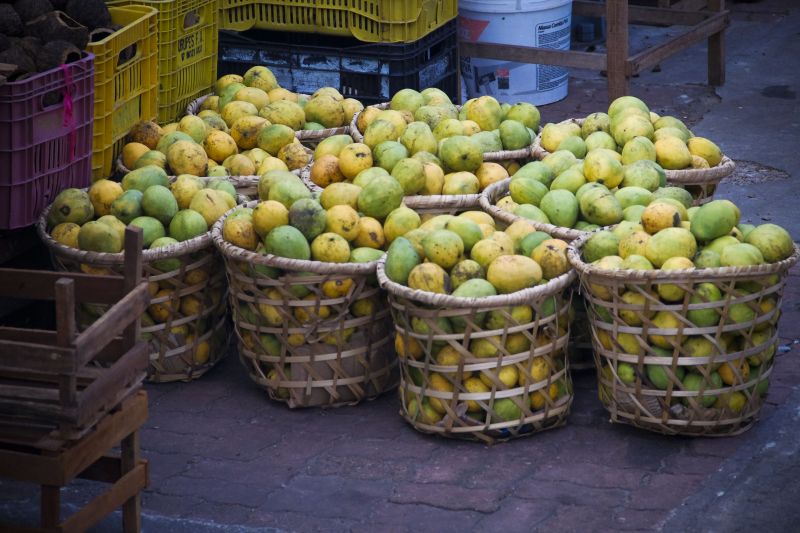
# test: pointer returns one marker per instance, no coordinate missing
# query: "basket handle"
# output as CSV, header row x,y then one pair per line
x,y
127,55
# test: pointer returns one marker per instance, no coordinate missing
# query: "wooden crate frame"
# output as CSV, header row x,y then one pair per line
x,y
59,384
87,458
706,19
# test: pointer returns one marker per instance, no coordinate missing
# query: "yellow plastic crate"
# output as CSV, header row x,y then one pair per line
x,y
125,82
373,21
187,51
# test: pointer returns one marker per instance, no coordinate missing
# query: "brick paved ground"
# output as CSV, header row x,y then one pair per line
x,y
224,458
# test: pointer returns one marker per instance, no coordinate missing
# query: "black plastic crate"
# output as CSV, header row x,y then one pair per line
x,y
372,73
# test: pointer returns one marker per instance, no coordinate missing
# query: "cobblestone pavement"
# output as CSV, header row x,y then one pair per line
x,y
225,458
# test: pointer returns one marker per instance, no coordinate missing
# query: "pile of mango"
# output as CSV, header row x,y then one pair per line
x,y
338,160
290,222
465,255
565,192
635,133
669,237
492,126
260,95
168,213
248,128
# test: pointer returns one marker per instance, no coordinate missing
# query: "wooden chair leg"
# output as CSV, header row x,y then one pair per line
x,y
50,506
617,44
716,50
131,509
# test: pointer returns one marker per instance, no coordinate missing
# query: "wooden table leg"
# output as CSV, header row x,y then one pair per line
x,y
50,506
617,44
716,49
131,509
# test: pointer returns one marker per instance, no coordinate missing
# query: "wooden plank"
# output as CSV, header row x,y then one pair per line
x,y
111,324
50,509
132,269
716,49
30,392
134,239
130,484
40,285
542,56
646,16
51,412
66,331
27,465
109,354
85,375
617,44
132,508
96,397
107,469
15,355
36,336
66,328
110,431
656,54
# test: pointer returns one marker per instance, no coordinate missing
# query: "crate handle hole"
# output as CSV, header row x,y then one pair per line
x,y
192,18
53,99
126,55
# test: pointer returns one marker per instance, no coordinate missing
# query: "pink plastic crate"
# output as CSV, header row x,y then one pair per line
x,y
46,140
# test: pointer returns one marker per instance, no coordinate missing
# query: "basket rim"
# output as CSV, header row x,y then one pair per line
x,y
305,175
232,251
588,270
487,203
686,176
522,297
355,133
443,201
302,135
194,244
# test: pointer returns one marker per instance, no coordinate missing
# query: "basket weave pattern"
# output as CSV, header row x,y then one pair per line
x,y
303,335
742,328
505,409
186,322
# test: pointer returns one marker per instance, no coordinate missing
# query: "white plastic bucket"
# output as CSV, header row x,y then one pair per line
x,y
535,23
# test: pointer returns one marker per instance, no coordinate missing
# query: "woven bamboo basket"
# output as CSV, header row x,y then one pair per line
x,y
186,323
307,137
700,182
444,385
301,335
580,344
355,133
494,192
497,157
643,370
442,204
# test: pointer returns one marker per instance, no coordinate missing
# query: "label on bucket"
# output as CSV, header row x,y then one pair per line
x,y
510,81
